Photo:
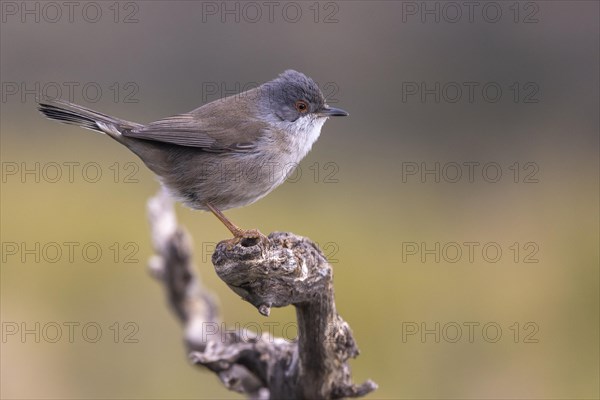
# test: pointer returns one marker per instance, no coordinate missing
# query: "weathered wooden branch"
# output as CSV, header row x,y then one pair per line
x,y
286,270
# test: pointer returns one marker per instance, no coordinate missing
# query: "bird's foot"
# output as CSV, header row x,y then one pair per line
x,y
248,238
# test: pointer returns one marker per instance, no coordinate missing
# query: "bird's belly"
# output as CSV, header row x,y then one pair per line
x,y
229,181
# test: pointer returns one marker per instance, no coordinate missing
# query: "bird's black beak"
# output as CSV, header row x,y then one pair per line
x,y
327,111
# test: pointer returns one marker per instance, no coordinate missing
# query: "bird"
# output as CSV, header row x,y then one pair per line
x,y
225,154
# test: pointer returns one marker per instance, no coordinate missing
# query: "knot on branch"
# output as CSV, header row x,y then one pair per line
x,y
287,269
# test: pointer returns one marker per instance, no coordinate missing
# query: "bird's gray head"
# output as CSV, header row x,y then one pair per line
x,y
293,96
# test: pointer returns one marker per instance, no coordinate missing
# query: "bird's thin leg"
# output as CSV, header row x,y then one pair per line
x,y
237,232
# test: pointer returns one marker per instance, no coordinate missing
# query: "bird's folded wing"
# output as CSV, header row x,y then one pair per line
x,y
212,134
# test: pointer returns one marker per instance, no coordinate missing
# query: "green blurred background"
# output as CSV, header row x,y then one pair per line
x,y
354,197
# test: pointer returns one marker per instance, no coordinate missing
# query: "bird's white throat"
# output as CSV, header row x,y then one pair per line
x,y
302,134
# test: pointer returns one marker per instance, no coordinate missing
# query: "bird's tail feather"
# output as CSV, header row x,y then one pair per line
x,y
69,113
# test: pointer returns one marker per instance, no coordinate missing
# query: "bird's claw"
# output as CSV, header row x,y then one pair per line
x,y
249,237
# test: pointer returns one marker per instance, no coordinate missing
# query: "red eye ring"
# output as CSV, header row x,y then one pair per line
x,y
301,106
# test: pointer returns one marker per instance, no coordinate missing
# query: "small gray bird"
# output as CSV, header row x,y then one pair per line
x,y
226,154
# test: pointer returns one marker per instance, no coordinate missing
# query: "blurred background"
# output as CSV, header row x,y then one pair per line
x,y
458,203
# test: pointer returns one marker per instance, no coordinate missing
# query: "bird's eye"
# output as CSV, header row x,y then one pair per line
x,y
301,106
